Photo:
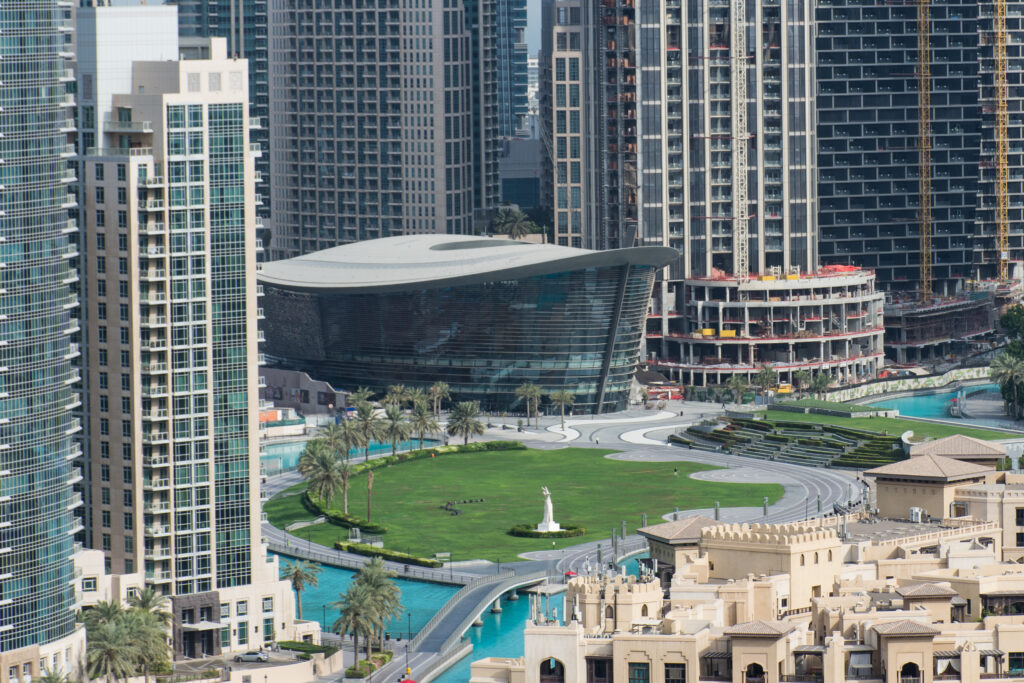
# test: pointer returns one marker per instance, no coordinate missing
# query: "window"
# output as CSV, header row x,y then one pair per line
x,y
89,584
599,670
243,632
639,672
225,638
1020,516
242,608
268,605
268,629
122,172
1016,663
99,171
675,673
1020,540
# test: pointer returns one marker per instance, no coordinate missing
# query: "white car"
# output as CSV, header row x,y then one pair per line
x,y
254,656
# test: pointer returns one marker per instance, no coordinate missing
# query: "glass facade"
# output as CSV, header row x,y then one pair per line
x,y
37,311
578,330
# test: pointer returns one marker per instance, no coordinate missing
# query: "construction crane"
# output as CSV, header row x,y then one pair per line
x,y
738,77
924,108
1002,144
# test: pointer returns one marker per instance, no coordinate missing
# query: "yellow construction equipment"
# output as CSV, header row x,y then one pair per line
x,y
924,108
1002,144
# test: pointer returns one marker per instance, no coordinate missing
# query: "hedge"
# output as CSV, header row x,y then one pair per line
x,y
675,438
340,519
307,648
393,555
527,531
366,667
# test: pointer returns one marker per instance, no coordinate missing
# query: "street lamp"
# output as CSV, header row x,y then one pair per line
x,y
407,669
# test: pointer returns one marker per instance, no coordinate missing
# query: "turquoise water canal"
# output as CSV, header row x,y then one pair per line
x,y
280,456
929,405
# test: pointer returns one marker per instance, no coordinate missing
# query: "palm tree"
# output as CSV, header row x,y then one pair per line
x,y
321,467
385,595
802,379
149,601
513,223
147,639
397,395
438,392
360,395
347,437
422,421
820,383
109,653
736,384
1009,370
103,612
395,427
531,393
562,398
369,495
463,420
301,574
369,425
415,395
355,606
51,676
347,470
765,380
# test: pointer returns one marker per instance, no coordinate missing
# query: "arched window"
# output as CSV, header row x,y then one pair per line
x,y
609,613
802,560
552,671
829,555
815,558
643,611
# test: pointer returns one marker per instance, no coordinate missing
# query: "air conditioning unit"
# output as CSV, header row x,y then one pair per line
x,y
916,514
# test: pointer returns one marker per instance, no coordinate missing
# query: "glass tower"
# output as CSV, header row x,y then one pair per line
x,y
37,321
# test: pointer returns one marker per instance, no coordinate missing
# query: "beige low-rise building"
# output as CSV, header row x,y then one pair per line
x,y
960,447
923,487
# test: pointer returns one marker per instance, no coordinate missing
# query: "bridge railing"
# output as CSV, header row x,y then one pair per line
x,y
453,601
456,636
338,559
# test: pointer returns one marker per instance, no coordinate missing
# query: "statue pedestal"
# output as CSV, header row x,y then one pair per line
x,y
545,527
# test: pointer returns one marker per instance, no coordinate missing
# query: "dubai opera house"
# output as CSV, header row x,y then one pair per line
x,y
482,314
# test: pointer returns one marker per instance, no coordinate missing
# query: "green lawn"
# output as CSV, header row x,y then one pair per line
x,y
889,425
587,490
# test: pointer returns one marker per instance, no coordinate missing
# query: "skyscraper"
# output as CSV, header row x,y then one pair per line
x,y
244,24
383,123
38,309
689,124
513,78
170,264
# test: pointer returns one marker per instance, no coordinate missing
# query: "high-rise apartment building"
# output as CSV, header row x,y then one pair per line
x,y
37,373
513,77
383,120
244,24
690,125
172,350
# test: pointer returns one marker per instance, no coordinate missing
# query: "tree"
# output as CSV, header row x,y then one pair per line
x,y
103,612
108,652
1012,321
736,384
422,421
361,395
384,593
513,223
1008,372
355,606
369,425
820,383
301,574
369,495
51,676
321,468
562,398
395,427
347,470
802,379
463,420
530,393
343,437
149,601
147,639
415,395
397,395
766,378
438,392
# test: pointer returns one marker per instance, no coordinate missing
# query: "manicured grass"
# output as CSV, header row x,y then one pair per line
x,y
830,405
889,425
587,490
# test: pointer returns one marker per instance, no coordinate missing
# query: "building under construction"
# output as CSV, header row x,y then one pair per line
x,y
919,131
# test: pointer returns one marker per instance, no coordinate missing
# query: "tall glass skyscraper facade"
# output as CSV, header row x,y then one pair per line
x,y
513,80
37,321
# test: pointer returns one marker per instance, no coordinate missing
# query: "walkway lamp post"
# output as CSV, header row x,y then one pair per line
x,y
407,669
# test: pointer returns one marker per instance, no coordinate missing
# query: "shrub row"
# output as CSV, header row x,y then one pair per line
x,y
307,648
675,438
366,667
526,531
349,521
393,555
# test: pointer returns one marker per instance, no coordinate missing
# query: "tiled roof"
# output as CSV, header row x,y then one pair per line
x,y
926,590
904,627
957,445
930,467
760,629
681,530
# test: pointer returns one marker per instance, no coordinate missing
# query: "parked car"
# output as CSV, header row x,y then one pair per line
x,y
253,656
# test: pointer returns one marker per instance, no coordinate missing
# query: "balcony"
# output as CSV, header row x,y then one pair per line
x,y
154,368
158,530
255,122
154,321
152,205
155,274
155,438
158,508
115,126
157,460
155,229
154,391
119,151
158,553
255,149
162,576
156,484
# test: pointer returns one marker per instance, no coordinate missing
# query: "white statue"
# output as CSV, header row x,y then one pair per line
x,y
548,523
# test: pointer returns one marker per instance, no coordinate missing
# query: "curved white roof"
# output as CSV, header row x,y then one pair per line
x,y
398,262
